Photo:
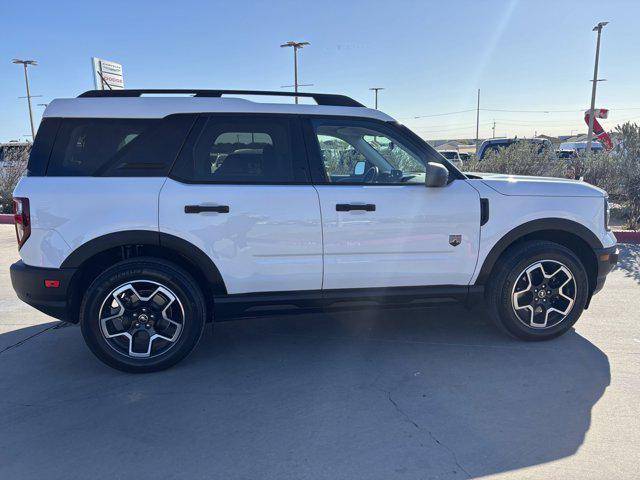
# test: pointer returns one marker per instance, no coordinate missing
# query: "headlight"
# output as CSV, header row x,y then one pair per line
x,y
607,214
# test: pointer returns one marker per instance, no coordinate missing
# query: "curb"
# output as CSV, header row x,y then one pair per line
x,y
627,236
6,218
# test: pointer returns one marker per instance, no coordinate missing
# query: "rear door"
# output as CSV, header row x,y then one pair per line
x,y
240,192
382,226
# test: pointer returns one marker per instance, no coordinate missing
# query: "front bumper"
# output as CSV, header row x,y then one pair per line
x,y
607,258
29,284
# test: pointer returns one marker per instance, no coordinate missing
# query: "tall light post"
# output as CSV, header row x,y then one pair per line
x,y
26,63
376,90
598,28
296,46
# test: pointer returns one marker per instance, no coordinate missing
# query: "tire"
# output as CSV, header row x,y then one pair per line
x,y
157,304
514,286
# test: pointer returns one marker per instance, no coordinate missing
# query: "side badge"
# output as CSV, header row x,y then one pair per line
x,y
455,240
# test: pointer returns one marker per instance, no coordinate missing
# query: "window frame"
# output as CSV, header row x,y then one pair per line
x,y
299,161
422,149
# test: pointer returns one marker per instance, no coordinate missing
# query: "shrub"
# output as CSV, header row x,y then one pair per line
x,y
12,167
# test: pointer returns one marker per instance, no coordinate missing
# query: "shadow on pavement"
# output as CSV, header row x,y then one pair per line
x,y
434,393
629,260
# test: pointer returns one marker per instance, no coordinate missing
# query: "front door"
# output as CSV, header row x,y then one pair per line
x,y
381,226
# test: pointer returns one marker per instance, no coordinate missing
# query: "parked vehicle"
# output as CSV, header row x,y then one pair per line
x,y
453,156
495,144
465,157
145,217
580,147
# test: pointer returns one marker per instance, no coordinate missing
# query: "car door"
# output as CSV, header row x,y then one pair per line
x,y
240,192
382,226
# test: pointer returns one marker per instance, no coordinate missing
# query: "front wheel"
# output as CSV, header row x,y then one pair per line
x,y
142,315
538,290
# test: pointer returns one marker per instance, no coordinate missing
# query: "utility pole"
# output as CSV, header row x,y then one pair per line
x,y
296,46
598,28
26,63
376,89
477,120
493,135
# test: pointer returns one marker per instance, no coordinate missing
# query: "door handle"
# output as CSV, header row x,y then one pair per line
x,y
206,208
347,207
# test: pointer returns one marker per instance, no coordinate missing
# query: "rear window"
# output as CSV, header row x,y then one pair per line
x,y
117,147
234,149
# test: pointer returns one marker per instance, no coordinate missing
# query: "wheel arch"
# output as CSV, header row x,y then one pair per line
x,y
576,237
94,256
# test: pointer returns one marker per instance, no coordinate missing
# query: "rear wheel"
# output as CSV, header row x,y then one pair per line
x,y
538,290
142,315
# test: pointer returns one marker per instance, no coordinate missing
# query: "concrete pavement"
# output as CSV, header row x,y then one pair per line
x,y
409,394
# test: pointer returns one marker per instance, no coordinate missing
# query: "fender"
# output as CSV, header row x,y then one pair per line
x,y
539,225
193,254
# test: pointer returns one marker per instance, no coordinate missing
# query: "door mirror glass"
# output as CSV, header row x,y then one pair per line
x,y
358,169
437,175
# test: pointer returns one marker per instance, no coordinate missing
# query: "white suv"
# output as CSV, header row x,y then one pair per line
x,y
142,217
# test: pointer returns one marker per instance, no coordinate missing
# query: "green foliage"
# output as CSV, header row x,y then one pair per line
x,y
12,167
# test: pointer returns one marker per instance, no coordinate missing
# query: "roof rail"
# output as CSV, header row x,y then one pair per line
x,y
320,98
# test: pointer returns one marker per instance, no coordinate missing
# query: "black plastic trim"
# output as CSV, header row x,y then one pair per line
x,y
268,303
29,285
553,224
605,266
147,237
484,211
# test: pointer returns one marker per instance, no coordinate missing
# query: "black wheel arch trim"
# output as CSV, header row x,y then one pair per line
x,y
539,225
191,252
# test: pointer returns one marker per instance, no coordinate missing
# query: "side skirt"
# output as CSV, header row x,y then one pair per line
x,y
228,307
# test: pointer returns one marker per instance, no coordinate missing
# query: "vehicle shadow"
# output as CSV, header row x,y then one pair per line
x,y
431,393
629,260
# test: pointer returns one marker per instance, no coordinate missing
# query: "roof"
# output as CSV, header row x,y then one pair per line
x,y
132,104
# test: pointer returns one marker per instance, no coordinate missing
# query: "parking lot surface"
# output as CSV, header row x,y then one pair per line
x,y
410,394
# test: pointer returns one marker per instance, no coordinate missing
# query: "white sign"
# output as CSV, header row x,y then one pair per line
x,y
107,75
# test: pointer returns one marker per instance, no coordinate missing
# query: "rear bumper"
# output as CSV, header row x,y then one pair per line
x,y
607,260
29,284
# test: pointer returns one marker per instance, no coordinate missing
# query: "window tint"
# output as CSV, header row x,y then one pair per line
x,y
360,152
232,149
112,147
83,146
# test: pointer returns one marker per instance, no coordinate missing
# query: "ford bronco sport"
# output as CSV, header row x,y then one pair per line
x,y
146,214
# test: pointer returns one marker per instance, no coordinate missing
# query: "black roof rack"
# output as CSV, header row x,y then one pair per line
x,y
320,98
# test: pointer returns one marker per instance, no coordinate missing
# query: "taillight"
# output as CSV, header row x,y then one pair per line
x,y
22,219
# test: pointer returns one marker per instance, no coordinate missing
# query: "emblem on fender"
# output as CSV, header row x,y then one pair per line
x,y
455,240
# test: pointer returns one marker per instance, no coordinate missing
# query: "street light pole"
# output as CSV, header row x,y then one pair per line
x,y
597,28
477,120
296,46
376,90
25,63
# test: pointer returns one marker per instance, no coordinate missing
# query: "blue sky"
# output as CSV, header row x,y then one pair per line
x,y
430,56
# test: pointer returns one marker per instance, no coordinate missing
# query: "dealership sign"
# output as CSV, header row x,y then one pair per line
x,y
107,75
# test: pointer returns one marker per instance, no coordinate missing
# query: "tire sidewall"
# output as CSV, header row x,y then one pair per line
x,y
178,281
514,268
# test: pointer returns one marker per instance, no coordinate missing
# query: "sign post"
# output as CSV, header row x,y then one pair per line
x,y
107,75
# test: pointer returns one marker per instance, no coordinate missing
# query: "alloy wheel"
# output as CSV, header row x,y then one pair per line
x,y
141,319
544,294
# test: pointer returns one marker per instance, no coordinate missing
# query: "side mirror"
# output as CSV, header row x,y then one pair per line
x,y
358,169
437,175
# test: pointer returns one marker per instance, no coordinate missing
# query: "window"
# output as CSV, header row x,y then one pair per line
x,y
110,147
360,152
241,150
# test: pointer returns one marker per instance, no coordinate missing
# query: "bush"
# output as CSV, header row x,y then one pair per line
x,y
12,167
521,158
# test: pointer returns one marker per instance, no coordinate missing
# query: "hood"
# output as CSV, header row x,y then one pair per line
x,y
539,186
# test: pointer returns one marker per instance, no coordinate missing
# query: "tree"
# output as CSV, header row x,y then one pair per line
x,y
12,168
